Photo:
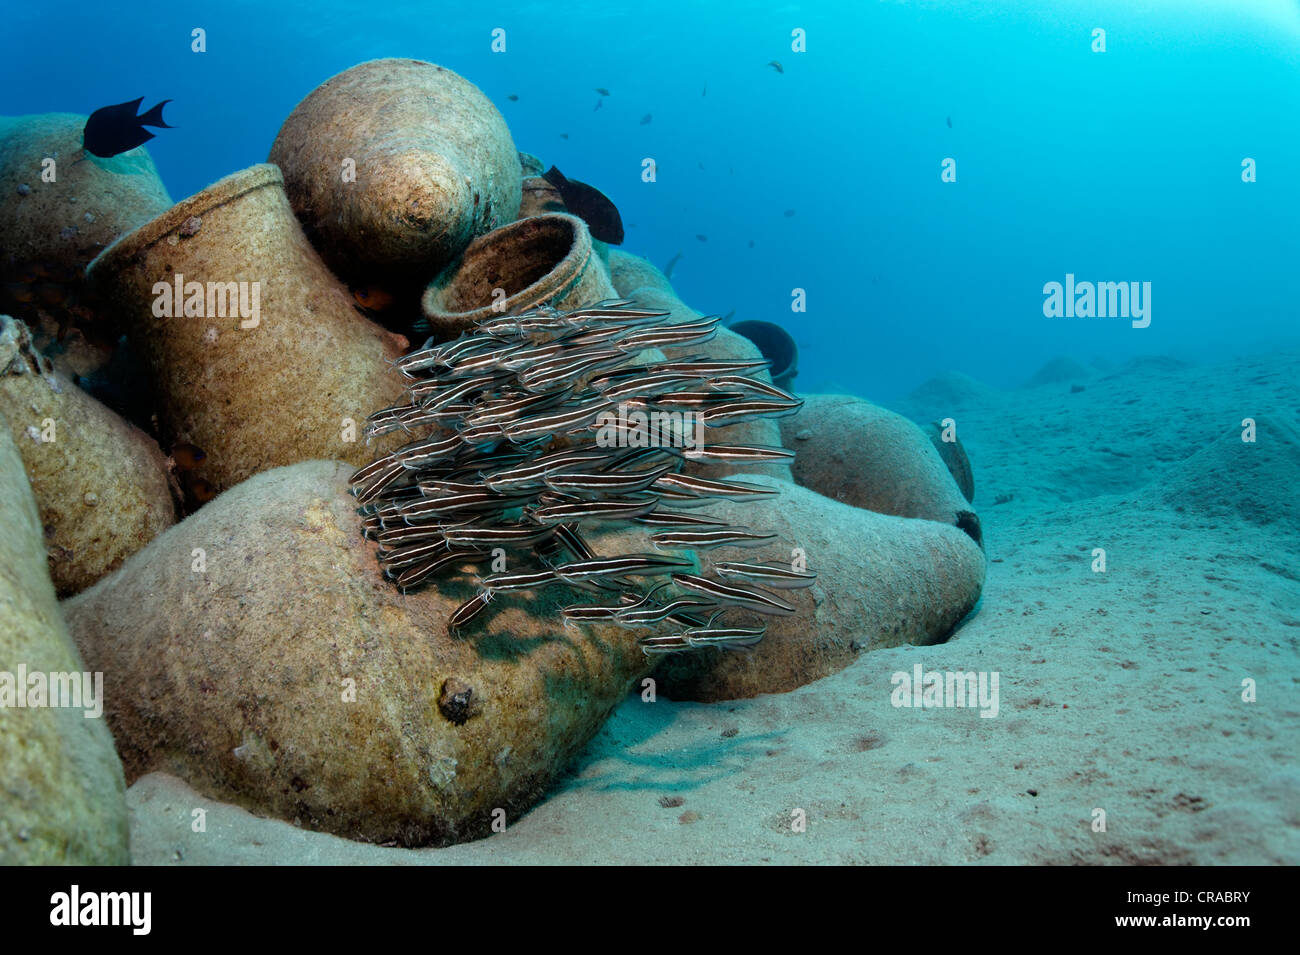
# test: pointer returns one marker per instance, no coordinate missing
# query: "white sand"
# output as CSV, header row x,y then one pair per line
x,y
1119,691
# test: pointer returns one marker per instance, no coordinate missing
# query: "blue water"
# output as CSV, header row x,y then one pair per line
x,y
1115,166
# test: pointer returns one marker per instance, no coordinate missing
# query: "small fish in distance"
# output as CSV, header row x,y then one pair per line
x,y
702,237
598,104
950,122
776,65
646,118
513,97
590,205
602,91
111,130
672,263
564,135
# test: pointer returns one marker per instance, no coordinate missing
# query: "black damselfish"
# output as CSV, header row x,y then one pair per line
x,y
590,205
111,130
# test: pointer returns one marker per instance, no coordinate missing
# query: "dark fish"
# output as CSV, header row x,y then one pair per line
x,y
673,519
612,509
778,576
715,537
419,573
516,534
588,612
642,617
671,335
733,595
705,91
616,389
199,489
19,291
638,565
187,457
387,537
739,454
534,472
590,205
602,91
372,299
513,97
469,610
568,535
663,643
598,483
702,367
559,373
615,308
950,122
711,487
111,130
582,614
569,421
751,243
507,411
597,106
521,581
646,118
726,638
789,213
734,412
564,135
672,264
753,384
701,237
413,554
776,65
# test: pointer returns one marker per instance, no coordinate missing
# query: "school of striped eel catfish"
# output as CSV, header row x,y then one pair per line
x,y
537,426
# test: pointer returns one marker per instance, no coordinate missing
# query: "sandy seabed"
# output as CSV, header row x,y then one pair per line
x,y
1119,691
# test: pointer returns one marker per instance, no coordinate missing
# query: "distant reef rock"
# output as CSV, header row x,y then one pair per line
x,y
1060,370
944,395
1154,363
1235,479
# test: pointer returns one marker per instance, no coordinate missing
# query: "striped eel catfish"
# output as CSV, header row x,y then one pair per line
x,y
534,427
